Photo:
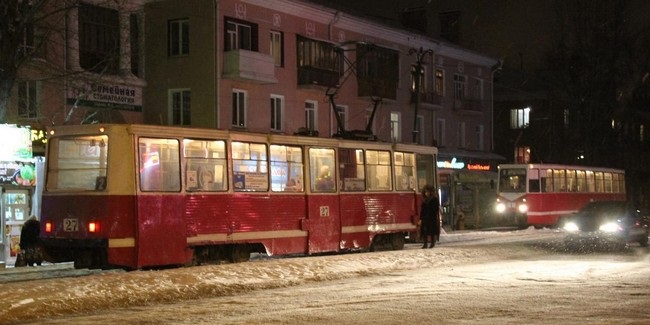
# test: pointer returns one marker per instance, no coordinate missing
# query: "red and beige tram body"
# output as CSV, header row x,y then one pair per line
x,y
139,196
541,194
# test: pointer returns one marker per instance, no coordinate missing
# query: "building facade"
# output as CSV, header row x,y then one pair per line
x,y
83,64
296,67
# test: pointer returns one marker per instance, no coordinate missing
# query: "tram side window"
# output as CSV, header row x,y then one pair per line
x,y
379,170
591,181
581,181
352,169
78,163
286,168
322,164
608,182
619,182
615,184
404,171
571,182
559,180
249,167
599,182
205,165
159,165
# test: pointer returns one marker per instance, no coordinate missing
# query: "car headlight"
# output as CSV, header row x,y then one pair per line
x,y
523,208
571,226
501,207
610,227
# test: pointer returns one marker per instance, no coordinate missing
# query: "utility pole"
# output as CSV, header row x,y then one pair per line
x,y
419,56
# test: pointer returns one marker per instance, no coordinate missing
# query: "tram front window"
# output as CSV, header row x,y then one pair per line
x,y
512,180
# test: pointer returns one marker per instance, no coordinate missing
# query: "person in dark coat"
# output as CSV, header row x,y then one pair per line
x,y
429,216
29,242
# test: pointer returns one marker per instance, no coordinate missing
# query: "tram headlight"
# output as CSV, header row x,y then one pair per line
x,y
523,208
500,207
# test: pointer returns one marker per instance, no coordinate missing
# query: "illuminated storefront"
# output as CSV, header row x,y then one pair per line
x,y
467,188
18,184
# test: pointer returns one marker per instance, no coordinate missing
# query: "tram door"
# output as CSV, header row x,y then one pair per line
x,y
323,222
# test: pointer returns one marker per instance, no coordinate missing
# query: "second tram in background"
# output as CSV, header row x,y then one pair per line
x,y
541,194
137,196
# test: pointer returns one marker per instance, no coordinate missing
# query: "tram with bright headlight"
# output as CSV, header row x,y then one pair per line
x,y
141,196
540,195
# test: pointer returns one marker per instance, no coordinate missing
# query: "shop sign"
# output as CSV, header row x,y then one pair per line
x,y
453,164
478,167
15,143
17,173
39,136
117,96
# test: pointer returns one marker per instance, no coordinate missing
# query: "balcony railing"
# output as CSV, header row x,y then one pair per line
x,y
427,98
249,66
308,76
467,104
377,88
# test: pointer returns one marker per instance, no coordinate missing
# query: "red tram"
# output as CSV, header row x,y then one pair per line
x,y
139,196
541,194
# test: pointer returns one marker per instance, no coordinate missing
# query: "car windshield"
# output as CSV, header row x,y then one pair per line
x,y
604,210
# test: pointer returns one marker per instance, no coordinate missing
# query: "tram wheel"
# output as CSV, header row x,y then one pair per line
x,y
397,241
83,259
240,253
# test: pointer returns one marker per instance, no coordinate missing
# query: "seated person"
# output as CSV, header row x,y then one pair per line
x,y
324,181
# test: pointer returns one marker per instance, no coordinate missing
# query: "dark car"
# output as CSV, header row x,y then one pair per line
x,y
616,222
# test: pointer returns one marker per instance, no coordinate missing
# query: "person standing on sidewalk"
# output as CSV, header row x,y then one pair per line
x,y
29,242
429,216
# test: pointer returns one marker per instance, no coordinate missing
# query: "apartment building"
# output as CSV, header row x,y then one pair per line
x,y
297,67
85,65
81,63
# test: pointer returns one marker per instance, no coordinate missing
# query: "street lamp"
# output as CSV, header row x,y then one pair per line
x,y
419,56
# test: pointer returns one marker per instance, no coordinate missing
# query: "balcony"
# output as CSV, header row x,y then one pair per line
x,y
474,105
312,76
427,98
249,66
377,88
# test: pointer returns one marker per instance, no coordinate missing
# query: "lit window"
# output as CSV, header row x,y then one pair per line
x,y
395,127
277,48
311,116
520,118
343,116
238,108
276,113
440,82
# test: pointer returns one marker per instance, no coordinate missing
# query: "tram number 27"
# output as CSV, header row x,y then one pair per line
x,y
70,224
